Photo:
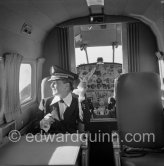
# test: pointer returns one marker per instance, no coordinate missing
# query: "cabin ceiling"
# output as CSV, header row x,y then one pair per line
x,y
45,14
48,13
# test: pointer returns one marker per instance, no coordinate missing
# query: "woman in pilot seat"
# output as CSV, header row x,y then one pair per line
x,y
64,110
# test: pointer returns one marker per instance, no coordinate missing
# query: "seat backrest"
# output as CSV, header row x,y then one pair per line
x,y
139,110
46,90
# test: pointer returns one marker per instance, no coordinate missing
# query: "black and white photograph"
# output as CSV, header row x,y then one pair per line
x,y
81,82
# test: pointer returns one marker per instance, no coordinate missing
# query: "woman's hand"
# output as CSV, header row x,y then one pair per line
x,y
82,89
46,122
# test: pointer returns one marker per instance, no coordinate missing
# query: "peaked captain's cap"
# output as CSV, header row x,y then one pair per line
x,y
58,73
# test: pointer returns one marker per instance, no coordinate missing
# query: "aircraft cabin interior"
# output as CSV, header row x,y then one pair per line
x,y
110,53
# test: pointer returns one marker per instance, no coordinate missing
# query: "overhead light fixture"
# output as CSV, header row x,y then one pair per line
x,y
95,2
96,10
99,18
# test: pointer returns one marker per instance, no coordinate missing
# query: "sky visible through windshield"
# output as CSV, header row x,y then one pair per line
x,y
105,52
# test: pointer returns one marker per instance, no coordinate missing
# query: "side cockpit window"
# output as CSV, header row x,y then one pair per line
x,y
25,83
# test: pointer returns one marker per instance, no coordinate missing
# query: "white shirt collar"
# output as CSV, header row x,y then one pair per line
x,y
67,100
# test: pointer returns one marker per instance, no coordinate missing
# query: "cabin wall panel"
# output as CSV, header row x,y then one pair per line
x,y
27,115
147,49
17,43
28,10
22,121
13,22
155,13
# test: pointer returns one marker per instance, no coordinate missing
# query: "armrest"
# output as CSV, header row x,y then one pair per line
x,y
116,148
85,149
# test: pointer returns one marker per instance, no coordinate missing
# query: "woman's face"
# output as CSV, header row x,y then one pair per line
x,y
59,88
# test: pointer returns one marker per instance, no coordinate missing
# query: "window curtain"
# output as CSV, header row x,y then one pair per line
x,y
12,107
133,47
63,46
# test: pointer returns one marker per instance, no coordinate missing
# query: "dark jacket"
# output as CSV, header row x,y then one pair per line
x,y
71,115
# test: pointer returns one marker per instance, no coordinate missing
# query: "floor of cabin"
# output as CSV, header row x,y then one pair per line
x,y
101,151
101,154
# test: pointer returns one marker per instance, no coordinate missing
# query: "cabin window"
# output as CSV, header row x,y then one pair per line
x,y
25,83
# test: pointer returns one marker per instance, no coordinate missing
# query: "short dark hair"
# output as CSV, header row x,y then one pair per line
x,y
99,59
